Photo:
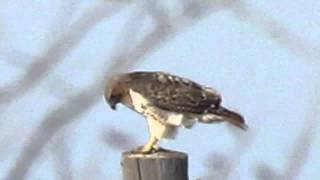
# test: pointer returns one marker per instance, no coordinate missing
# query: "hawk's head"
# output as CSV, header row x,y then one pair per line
x,y
114,91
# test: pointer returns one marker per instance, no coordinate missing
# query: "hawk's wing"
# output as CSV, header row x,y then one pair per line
x,y
173,93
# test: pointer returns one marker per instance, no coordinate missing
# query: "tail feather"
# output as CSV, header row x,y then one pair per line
x,y
222,114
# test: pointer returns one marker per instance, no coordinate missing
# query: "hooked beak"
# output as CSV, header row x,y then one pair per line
x,y
112,105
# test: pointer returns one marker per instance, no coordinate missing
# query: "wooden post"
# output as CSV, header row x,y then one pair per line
x,y
164,165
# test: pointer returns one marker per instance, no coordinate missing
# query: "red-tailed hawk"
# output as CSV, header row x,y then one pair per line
x,y
168,102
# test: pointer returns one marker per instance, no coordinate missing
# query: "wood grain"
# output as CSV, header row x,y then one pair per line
x,y
164,165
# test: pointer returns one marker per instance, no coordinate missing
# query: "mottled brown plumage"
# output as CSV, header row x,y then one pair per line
x,y
169,99
169,92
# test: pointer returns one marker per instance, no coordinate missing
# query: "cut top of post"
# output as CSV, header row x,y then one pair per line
x,y
164,165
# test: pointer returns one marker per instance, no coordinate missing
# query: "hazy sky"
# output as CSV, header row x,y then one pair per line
x,y
256,73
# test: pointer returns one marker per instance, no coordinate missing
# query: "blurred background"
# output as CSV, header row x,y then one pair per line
x,y
56,57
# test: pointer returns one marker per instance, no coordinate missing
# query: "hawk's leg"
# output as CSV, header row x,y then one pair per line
x,y
156,147
156,130
149,147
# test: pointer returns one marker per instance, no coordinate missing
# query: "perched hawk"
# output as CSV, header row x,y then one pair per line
x,y
168,102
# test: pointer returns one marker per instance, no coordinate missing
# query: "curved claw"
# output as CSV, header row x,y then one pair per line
x,y
160,149
143,150
150,147
146,150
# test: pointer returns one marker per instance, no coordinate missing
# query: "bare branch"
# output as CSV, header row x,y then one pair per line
x,y
61,157
157,11
277,32
71,109
264,172
218,166
42,65
118,139
92,169
53,122
221,166
78,104
302,147
63,18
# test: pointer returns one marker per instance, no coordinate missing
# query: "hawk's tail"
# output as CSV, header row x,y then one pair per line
x,y
222,114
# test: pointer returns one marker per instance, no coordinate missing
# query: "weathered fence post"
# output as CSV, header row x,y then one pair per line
x,y
164,165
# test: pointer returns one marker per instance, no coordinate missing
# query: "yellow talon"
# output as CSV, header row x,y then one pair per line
x,y
150,147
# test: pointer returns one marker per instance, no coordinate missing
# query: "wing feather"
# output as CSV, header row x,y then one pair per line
x,y
173,93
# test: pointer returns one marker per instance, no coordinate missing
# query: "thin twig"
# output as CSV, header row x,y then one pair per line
x,y
45,63
78,104
277,32
117,139
62,157
302,146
